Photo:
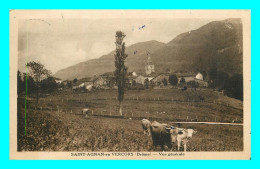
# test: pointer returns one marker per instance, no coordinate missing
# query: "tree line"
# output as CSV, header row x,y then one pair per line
x,y
231,85
37,80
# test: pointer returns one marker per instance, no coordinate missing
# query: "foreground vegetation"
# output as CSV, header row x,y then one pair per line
x,y
68,130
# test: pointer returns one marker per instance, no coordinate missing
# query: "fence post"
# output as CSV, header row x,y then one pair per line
x,y
132,114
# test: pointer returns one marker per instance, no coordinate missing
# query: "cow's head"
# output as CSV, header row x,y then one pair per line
x,y
190,132
195,131
173,132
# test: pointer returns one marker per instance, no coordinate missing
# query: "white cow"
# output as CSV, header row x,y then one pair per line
x,y
183,136
85,111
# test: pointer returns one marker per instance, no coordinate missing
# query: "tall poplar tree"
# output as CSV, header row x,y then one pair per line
x,y
121,69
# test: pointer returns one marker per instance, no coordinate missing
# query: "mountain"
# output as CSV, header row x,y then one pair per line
x,y
137,56
217,45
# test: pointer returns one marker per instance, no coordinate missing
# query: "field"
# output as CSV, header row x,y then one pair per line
x,y
58,125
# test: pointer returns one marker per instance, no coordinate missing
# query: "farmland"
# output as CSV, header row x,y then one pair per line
x,y
58,125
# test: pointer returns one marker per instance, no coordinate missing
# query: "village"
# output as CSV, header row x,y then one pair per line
x,y
138,81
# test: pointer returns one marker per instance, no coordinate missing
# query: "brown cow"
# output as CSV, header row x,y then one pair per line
x,y
163,135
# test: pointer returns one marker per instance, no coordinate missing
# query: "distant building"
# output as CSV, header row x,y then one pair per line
x,y
87,82
57,80
65,82
110,79
199,76
100,81
193,77
158,80
140,79
149,66
132,74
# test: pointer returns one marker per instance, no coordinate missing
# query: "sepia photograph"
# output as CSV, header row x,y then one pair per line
x,y
130,84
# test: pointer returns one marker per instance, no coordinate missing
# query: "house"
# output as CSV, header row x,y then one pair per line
x,y
158,80
57,80
199,76
202,83
99,81
187,78
140,79
193,77
67,83
131,80
82,83
110,79
134,74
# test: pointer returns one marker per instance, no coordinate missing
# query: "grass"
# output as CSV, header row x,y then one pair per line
x,y
50,130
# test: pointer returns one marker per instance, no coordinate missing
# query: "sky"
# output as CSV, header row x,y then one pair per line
x,y
60,43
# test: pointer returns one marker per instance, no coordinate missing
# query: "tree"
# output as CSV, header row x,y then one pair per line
x,y
38,72
182,81
120,68
146,83
165,82
29,84
212,73
69,84
20,83
75,80
221,80
133,83
193,84
173,80
234,87
204,73
49,85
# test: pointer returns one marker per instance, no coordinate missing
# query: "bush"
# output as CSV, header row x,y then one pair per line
x,y
173,80
193,84
234,87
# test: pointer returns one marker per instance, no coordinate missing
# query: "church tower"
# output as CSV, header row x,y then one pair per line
x,y
149,66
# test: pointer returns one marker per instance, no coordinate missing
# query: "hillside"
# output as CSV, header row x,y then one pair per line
x,y
137,55
217,44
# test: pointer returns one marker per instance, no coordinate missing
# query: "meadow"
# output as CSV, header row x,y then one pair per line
x,y
57,124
